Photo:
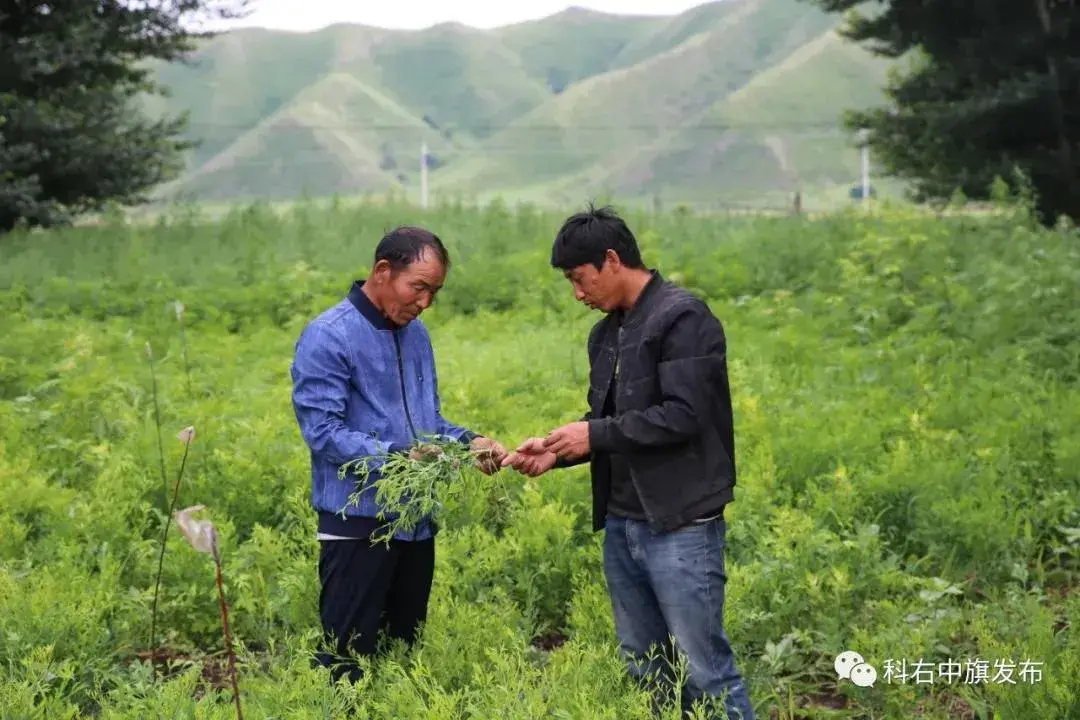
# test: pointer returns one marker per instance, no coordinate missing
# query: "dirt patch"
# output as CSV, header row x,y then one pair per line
x,y
549,641
953,705
821,700
830,700
170,662
1059,593
1058,596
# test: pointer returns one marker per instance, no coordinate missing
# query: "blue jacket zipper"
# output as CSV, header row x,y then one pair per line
x,y
401,378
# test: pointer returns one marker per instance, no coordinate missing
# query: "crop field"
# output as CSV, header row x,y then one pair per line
x,y
908,441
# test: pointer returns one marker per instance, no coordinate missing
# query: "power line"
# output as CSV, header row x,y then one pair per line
x,y
697,127
325,161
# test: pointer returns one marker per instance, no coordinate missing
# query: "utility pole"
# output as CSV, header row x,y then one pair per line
x,y
423,175
864,141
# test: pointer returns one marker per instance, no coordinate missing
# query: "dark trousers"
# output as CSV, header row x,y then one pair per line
x,y
368,588
667,594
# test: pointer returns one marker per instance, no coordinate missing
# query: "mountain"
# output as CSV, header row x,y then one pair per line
x,y
729,101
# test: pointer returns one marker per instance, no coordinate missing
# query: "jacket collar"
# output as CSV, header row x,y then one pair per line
x,y
650,289
363,303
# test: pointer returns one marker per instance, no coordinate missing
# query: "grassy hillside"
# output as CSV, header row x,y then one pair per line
x,y
457,78
315,145
779,131
240,79
570,104
593,130
674,31
574,44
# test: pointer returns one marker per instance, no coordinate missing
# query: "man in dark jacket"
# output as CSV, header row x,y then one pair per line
x,y
659,440
364,385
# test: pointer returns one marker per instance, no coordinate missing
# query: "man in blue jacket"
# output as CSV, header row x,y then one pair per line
x,y
364,385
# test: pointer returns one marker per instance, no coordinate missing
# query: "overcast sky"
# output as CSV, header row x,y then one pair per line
x,y
304,15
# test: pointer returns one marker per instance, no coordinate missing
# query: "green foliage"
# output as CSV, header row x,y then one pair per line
x,y
410,489
70,138
991,90
907,429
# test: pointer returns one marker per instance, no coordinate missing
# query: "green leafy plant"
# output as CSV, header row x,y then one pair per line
x,y
415,485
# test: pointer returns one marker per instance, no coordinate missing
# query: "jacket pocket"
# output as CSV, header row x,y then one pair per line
x,y
637,394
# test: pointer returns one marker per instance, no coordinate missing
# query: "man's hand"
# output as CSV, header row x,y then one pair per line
x,y
531,458
425,452
489,455
570,441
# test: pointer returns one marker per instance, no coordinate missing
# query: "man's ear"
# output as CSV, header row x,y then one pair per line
x,y
611,259
380,271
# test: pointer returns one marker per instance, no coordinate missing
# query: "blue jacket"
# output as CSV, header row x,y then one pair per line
x,y
363,387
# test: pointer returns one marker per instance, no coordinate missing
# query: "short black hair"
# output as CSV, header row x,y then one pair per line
x,y
406,244
585,238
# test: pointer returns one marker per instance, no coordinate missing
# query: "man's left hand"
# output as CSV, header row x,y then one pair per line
x,y
570,441
489,455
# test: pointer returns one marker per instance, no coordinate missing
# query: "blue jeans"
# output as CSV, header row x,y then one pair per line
x,y
671,586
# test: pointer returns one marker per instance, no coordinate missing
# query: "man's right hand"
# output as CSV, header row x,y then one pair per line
x,y
425,452
531,458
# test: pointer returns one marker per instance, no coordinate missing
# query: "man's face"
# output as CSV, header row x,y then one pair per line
x,y
412,290
599,289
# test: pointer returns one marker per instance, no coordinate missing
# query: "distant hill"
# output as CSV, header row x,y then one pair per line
x,y
729,101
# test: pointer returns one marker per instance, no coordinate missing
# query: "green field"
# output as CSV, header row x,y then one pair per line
x,y
908,443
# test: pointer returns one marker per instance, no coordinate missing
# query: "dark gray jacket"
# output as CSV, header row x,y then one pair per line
x,y
673,418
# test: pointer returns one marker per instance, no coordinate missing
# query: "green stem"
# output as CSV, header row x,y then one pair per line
x,y
157,422
161,559
183,346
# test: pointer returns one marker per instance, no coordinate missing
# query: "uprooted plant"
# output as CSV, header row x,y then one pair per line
x,y
415,485
202,536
